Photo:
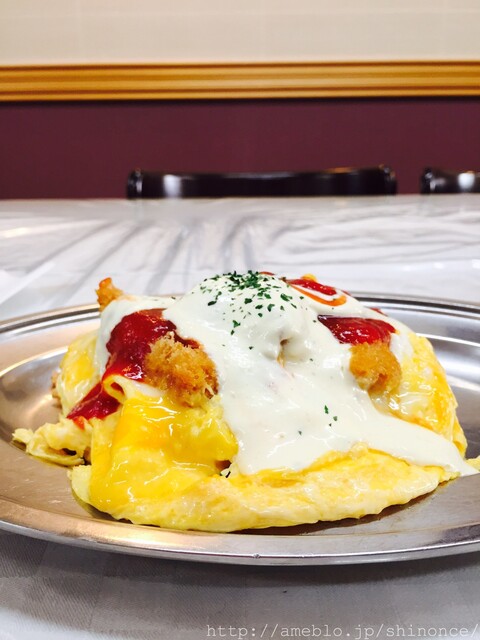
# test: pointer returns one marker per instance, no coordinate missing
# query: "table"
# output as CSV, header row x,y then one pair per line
x,y
53,253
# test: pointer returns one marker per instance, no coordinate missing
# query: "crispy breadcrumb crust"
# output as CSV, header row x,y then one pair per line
x,y
375,367
187,373
107,292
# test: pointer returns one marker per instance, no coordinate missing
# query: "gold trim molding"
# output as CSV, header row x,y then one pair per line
x,y
239,80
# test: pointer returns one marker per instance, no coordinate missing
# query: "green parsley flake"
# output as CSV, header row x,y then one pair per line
x,y
258,285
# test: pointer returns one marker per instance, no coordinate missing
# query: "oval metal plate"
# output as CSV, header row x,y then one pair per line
x,y
36,500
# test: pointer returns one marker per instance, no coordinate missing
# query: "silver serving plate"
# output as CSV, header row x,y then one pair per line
x,y
36,500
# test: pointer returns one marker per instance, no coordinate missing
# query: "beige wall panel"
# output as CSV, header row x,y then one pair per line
x,y
159,31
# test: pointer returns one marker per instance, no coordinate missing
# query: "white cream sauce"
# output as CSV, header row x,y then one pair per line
x,y
284,380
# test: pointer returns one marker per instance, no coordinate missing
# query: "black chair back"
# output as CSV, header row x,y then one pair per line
x,y
347,181
434,180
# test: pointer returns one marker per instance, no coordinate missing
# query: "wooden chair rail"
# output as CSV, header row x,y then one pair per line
x,y
239,80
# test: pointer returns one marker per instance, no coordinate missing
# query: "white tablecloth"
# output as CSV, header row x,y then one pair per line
x,y
53,253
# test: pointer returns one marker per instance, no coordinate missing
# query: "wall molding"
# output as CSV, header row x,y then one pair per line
x,y
209,81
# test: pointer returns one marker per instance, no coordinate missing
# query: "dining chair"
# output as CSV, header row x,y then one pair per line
x,y
343,181
434,180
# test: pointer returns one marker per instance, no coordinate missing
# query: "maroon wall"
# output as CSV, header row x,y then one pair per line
x,y
72,150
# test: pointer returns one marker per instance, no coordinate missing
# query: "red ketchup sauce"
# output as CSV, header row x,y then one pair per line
x,y
96,404
349,330
313,286
129,344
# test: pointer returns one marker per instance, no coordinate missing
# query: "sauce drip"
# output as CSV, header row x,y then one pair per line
x,y
96,404
358,330
313,285
319,292
129,344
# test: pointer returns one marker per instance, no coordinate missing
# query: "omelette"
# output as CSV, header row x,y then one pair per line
x,y
252,401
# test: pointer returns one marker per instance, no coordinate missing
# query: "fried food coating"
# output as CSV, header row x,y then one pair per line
x,y
188,373
107,292
375,367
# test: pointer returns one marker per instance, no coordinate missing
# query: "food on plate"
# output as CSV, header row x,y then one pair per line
x,y
251,401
